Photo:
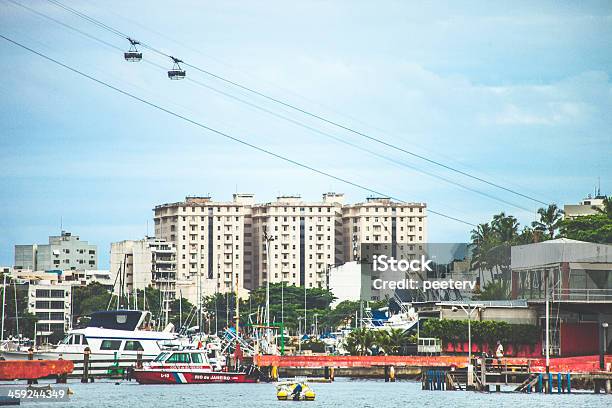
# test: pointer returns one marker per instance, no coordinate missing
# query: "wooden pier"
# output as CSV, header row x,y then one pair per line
x,y
519,377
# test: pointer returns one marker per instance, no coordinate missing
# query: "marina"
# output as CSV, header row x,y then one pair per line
x,y
329,203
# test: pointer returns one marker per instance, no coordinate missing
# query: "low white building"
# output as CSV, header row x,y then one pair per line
x,y
52,304
350,281
588,206
72,277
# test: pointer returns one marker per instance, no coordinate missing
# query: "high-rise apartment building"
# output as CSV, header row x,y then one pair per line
x,y
381,221
222,246
64,252
304,240
213,242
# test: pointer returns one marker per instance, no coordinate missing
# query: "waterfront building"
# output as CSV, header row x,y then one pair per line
x,y
578,278
63,252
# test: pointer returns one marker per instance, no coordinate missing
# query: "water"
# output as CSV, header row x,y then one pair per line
x,y
342,393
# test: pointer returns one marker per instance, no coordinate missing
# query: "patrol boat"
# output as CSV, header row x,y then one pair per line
x,y
190,366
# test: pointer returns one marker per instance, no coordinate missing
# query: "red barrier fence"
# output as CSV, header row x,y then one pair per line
x,y
33,369
583,364
521,350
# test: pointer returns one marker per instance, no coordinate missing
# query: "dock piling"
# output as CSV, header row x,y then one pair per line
x,y
85,377
540,380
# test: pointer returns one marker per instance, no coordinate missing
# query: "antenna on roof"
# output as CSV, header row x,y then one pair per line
x,y
598,186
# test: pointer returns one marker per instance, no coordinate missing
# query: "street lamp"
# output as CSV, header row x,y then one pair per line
x,y
602,345
300,332
468,311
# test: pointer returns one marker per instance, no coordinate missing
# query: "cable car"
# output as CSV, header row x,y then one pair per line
x,y
133,55
176,72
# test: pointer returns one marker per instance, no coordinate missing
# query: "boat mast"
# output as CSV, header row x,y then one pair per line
x,y
180,309
199,291
237,309
547,321
3,303
17,310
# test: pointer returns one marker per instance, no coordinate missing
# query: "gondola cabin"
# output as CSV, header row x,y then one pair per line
x,y
132,56
176,74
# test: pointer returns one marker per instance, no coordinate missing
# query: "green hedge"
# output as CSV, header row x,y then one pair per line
x,y
483,332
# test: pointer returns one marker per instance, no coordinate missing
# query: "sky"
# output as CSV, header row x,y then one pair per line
x,y
518,93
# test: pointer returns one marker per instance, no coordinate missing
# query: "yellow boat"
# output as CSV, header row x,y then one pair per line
x,y
294,391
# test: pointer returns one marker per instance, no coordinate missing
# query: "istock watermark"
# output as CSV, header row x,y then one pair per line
x,y
384,263
425,285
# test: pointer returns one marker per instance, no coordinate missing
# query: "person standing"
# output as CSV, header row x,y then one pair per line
x,y
499,352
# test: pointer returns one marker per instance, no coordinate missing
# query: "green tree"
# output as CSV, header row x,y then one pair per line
x,y
360,341
590,228
496,290
392,341
88,299
607,210
550,220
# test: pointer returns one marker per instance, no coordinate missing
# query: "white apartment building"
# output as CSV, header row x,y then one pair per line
x,y
380,223
143,263
213,243
64,252
305,240
220,246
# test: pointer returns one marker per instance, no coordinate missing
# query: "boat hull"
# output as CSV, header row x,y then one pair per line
x,y
190,377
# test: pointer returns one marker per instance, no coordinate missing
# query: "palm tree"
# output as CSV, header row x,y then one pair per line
x,y
360,341
482,237
392,340
505,227
550,220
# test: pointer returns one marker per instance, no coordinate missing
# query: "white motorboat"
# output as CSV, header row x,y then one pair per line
x,y
113,334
